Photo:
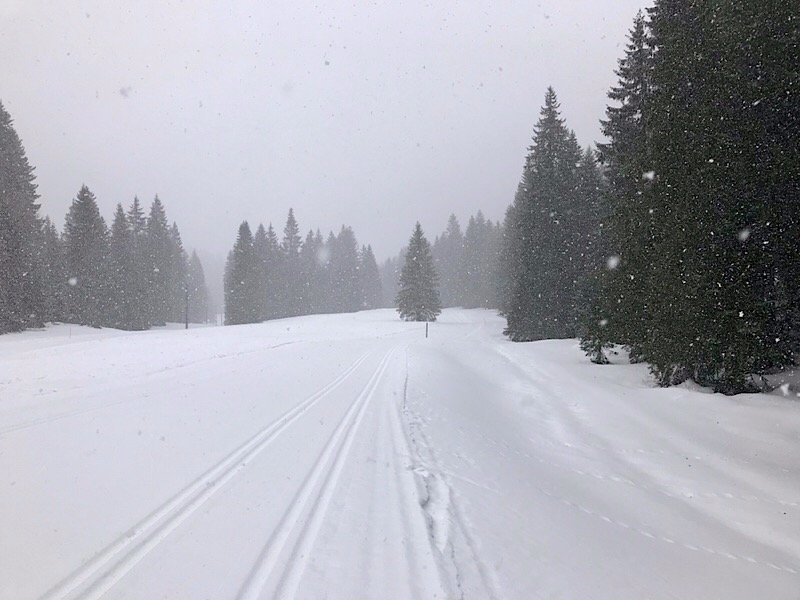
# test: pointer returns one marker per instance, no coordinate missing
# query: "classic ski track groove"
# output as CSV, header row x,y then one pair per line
x,y
308,535
160,523
267,561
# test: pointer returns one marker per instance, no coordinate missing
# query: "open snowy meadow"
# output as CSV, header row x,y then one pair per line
x,y
349,457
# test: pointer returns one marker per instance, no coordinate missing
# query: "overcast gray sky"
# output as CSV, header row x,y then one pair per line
x,y
371,114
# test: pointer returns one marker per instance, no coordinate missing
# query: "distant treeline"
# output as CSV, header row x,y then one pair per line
x,y
465,262
132,276
270,278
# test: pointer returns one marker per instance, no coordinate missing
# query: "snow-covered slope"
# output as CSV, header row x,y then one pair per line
x,y
349,457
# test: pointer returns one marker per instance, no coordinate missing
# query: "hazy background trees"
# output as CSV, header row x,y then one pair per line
x,y
266,280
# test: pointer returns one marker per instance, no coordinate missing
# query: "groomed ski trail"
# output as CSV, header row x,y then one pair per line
x,y
95,578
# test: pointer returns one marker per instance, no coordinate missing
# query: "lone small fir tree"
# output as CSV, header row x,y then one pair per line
x,y
418,298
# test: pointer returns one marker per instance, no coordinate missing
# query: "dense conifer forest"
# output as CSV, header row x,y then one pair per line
x,y
132,275
271,278
679,238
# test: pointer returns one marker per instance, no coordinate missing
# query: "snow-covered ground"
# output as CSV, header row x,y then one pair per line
x,y
349,457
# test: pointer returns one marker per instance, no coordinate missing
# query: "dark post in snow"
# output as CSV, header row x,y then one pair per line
x,y
186,304
426,331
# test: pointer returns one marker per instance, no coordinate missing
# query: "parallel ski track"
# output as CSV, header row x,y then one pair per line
x,y
98,575
330,463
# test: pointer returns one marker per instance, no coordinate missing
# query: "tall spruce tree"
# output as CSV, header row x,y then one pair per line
x,y
595,260
136,218
757,176
546,276
241,281
621,301
590,239
702,182
715,319
139,292
293,300
418,297
762,49
22,302
158,264
123,310
86,251
681,138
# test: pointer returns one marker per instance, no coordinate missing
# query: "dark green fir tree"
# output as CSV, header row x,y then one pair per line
x,y
418,296
22,302
124,312
86,252
158,264
546,268
242,293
